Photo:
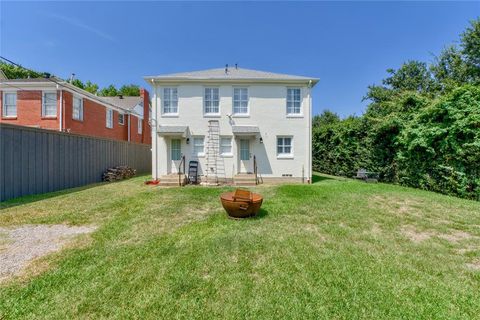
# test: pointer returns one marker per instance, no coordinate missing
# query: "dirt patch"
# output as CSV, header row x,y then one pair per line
x,y
396,205
456,236
416,235
475,265
26,243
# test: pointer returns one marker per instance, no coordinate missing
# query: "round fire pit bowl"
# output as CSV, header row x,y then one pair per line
x,y
241,207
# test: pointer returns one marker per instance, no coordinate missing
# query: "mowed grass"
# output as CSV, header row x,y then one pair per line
x,y
334,249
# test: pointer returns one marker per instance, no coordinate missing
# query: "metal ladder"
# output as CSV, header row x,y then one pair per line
x,y
213,151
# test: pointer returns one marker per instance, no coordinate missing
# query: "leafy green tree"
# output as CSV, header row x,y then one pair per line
x,y
325,118
130,90
14,72
109,91
91,87
470,43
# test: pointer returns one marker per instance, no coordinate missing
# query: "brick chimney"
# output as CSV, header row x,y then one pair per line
x,y
146,132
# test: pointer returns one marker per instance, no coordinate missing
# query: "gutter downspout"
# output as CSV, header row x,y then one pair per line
x,y
61,109
309,169
153,128
128,127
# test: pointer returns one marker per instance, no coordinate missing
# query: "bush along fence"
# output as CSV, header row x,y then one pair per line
x,y
34,161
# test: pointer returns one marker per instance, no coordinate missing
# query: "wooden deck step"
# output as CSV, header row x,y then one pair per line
x,y
171,180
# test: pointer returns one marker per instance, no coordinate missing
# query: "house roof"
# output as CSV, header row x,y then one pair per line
x,y
232,74
127,103
126,106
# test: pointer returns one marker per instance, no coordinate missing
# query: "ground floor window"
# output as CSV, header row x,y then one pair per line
x,y
284,146
176,150
225,146
198,146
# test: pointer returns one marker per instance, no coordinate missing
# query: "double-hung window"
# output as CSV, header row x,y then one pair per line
x,y
9,108
198,146
49,104
109,117
226,146
294,101
170,101
121,118
77,108
240,101
211,101
139,126
284,147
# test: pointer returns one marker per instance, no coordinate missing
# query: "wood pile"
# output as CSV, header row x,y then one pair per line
x,y
118,173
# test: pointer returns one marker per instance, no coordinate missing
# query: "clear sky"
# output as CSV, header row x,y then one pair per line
x,y
348,45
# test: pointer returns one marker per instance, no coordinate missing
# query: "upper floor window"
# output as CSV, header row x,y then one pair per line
x,y
240,101
49,104
121,118
9,104
284,147
198,146
170,101
294,101
139,126
211,101
77,108
109,116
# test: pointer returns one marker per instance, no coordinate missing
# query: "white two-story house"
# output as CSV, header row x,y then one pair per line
x,y
234,122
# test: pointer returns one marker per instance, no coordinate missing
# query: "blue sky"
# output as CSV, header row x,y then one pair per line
x,y
348,45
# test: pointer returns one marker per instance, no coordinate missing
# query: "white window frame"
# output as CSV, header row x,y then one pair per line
x,y
170,101
222,145
240,100
139,125
80,111
293,101
5,106
109,118
121,115
196,144
284,155
44,104
205,113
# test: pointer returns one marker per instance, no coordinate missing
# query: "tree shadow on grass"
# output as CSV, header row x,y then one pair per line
x,y
316,177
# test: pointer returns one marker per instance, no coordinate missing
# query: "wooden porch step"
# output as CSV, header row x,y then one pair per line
x,y
244,180
171,180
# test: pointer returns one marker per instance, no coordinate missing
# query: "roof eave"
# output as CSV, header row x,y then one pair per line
x,y
154,79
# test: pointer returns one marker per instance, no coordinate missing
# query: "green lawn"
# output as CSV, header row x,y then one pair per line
x,y
334,249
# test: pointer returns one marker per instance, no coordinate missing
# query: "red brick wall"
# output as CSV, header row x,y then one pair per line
x,y
94,120
29,111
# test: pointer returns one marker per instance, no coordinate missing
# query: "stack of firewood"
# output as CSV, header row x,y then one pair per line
x,y
118,173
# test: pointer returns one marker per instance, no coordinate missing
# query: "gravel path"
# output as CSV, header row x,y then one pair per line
x,y
18,246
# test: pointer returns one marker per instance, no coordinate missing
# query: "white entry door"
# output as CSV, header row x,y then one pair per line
x,y
175,154
245,157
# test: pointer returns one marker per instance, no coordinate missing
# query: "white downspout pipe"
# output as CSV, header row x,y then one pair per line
x,y
309,169
61,109
128,127
154,126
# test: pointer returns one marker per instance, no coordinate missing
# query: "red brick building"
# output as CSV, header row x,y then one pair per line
x,y
58,105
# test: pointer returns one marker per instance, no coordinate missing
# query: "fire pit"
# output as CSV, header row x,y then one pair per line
x,y
241,203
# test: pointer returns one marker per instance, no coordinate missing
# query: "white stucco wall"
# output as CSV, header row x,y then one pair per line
x,y
267,110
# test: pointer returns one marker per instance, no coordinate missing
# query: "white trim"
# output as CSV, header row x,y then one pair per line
x,y
294,114
44,115
123,118
80,112
3,104
240,115
198,154
226,154
139,125
284,155
211,114
168,114
109,118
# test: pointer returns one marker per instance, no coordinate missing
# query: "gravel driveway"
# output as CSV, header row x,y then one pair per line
x,y
20,245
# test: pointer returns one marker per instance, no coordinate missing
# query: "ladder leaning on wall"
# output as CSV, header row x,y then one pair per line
x,y
213,150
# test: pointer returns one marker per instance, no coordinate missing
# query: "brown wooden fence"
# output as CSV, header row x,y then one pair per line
x,y
36,161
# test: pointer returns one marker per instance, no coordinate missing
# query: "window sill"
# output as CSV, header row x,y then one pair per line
x,y
109,127
170,115
49,117
121,124
200,155
212,115
294,115
9,118
77,120
286,156
227,155
241,115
